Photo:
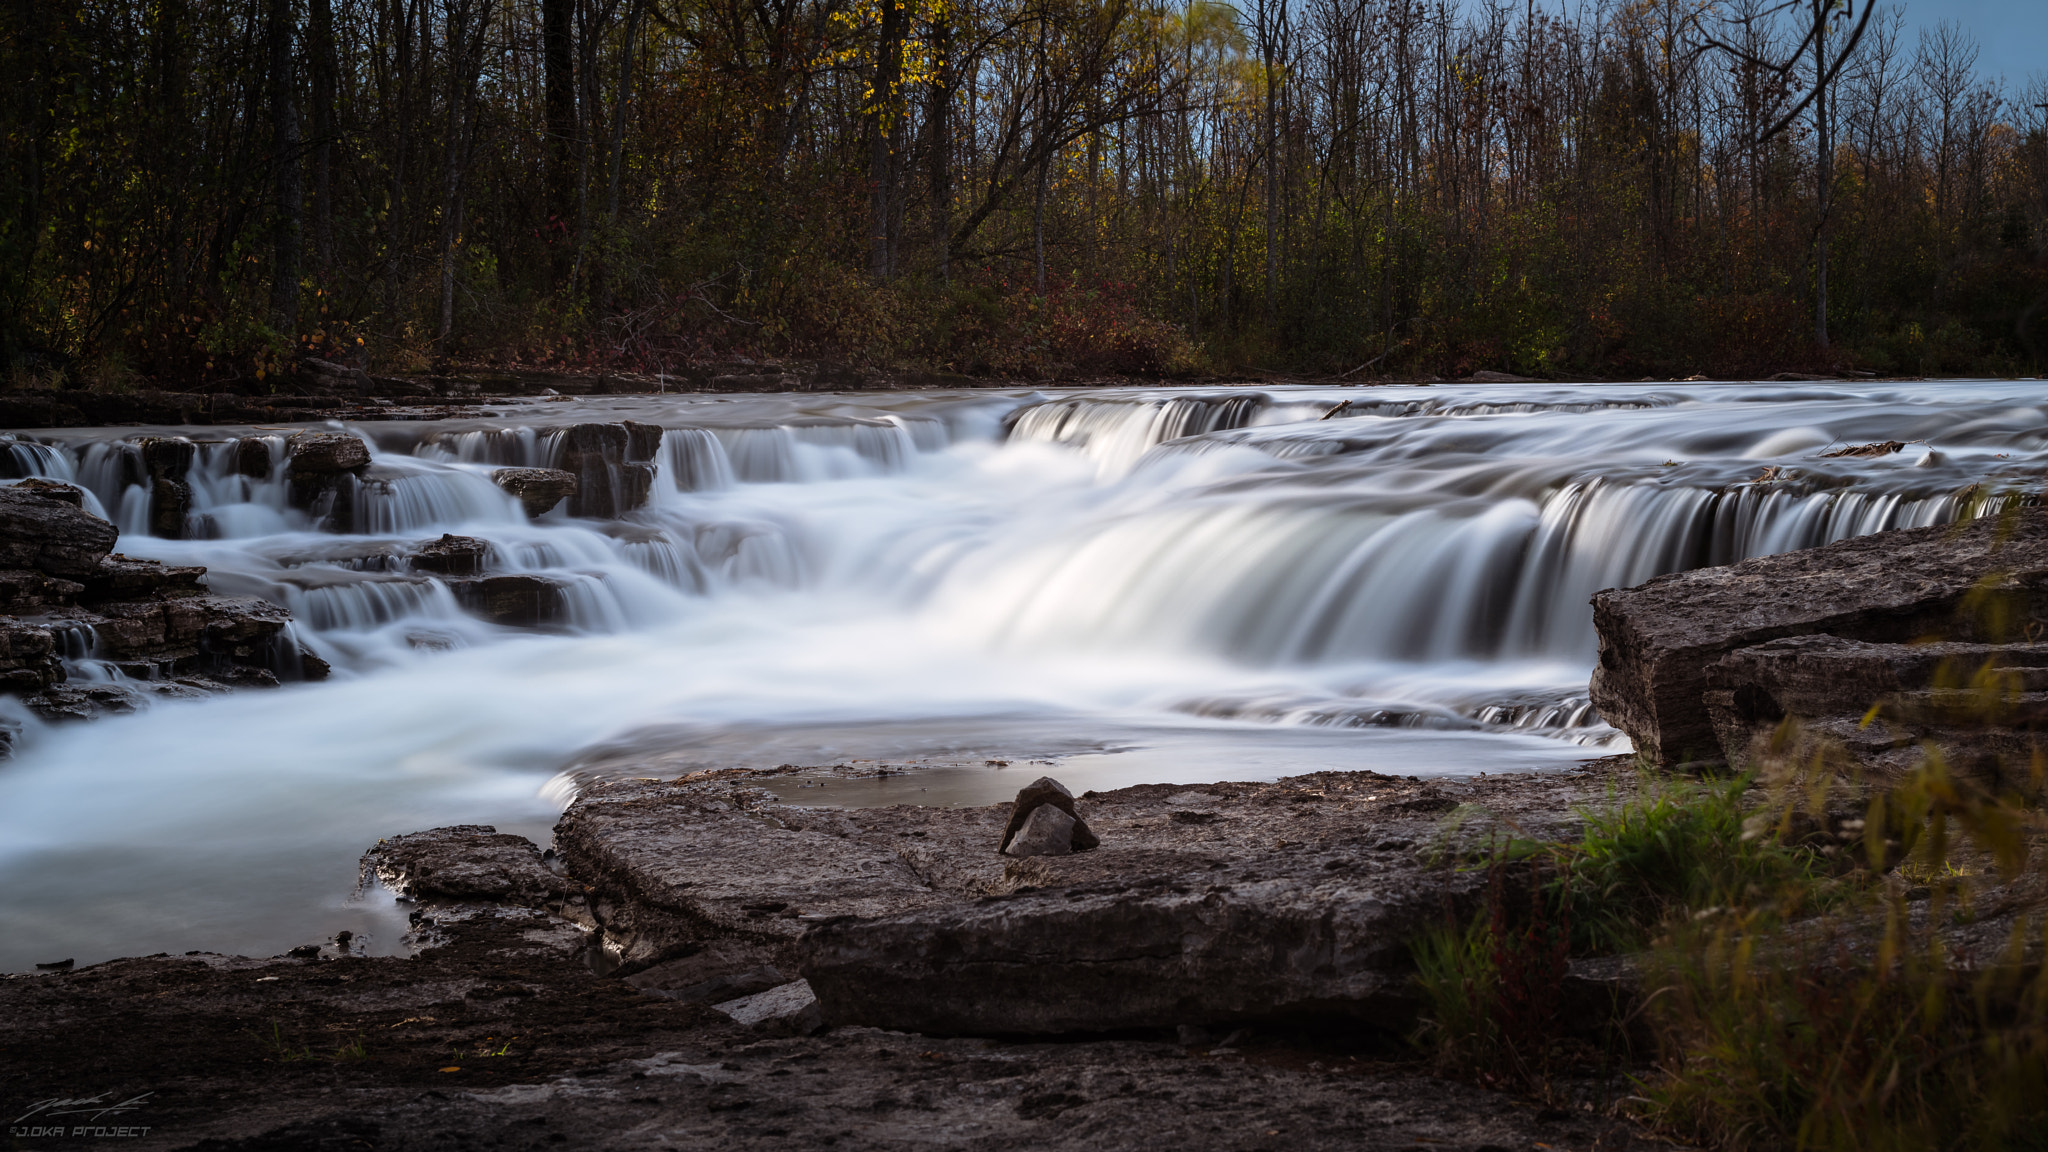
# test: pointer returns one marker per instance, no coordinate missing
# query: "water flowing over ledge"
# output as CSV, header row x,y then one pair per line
x,y
1219,583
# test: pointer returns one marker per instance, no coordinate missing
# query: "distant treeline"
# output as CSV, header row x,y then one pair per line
x,y
199,189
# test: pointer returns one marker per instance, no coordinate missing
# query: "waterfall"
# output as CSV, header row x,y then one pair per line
x,y
1237,582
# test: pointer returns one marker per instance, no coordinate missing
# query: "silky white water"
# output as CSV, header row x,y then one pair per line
x,y
1175,585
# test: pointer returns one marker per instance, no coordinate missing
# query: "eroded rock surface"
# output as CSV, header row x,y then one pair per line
x,y
1983,582
1984,705
465,862
43,528
1203,903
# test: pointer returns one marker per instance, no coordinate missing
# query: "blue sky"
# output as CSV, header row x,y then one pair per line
x,y
2012,34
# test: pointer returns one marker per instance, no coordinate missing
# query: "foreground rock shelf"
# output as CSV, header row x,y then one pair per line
x,y
1204,905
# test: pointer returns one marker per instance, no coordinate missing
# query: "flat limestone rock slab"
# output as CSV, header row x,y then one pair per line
x,y
1659,639
1203,903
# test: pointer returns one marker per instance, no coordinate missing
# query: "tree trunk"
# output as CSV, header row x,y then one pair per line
x,y
942,146
322,51
1269,33
558,61
1824,172
284,159
881,164
1038,226
620,108
467,21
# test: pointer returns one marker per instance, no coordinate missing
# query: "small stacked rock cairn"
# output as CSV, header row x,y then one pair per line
x,y
1043,823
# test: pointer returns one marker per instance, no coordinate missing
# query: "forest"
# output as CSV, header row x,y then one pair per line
x,y
199,192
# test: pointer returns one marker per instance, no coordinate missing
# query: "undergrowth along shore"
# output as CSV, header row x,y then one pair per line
x,y
1801,966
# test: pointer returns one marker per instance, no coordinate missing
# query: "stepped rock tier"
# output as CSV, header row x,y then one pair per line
x,y
1702,665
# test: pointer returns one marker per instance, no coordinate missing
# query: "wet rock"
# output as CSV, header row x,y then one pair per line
x,y
1827,687
464,862
538,489
596,455
54,490
50,533
788,1010
29,660
252,457
23,591
327,452
515,601
643,441
84,702
168,461
451,555
326,472
121,577
1039,793
215,634
1046,832
1658,640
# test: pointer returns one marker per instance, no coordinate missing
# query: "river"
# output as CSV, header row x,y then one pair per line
x,y
1113,586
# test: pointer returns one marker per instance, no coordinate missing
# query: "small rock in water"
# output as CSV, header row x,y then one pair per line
x,y
1046,792
1046,832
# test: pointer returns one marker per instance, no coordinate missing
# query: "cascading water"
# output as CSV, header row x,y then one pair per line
x,y
1146,585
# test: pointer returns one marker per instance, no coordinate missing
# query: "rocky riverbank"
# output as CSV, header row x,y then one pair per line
x,y
69,599
707,904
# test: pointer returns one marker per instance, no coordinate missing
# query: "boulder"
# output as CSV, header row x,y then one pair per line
x,y
1043,792
451,555
44,529
1046,832
327,452
538,489
1984,581
515,601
